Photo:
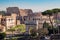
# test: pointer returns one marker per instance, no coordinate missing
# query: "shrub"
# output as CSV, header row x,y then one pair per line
x,y
2,36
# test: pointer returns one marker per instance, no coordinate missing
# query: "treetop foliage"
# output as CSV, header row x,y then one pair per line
x,y
51,12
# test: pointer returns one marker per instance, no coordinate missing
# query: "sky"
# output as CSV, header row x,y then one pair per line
x,y
35,5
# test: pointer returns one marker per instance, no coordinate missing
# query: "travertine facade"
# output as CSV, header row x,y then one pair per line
x,y
23,12
11,20
18,16
2,27
8,21
13,10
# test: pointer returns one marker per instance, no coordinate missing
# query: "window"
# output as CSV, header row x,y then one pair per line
x,y
9,19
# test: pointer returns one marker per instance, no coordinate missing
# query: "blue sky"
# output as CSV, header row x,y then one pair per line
x,y
35,5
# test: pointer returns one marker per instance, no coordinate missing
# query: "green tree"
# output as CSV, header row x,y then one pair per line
x,y
55,11
2,36
46,25
49,13
42,32
33,32
12,30
2,12
21,28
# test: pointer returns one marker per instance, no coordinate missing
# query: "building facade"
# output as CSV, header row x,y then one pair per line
x,y
16,16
